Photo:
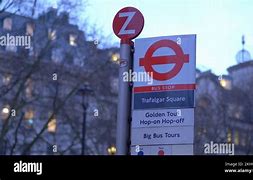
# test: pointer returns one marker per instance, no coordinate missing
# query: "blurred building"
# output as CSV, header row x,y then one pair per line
x,y
224,111
41,85
39,100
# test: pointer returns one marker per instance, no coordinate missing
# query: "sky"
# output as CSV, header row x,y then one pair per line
x,y
219,25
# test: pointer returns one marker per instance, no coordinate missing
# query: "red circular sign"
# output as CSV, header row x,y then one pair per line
x,y
128,23
160,152
178,59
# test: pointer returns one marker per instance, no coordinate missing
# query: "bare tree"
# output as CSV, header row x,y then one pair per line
x,y
33,89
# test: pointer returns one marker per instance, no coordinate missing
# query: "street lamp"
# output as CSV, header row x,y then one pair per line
x,y
5,112
115,57
111,150
83,91
51,127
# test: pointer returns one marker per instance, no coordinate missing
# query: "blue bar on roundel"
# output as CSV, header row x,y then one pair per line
x,y
166,99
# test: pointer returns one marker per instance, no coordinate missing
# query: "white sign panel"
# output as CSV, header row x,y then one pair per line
x,y
163,117
162,135
163,104
182,149
169,59
162,150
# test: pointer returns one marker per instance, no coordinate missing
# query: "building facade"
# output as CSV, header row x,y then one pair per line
x,y
224,108
42,108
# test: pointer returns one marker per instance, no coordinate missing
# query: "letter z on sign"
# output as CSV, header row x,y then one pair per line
x,y
128,23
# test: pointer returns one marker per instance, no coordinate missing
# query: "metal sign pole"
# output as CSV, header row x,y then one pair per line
x,y
124,100
127,25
